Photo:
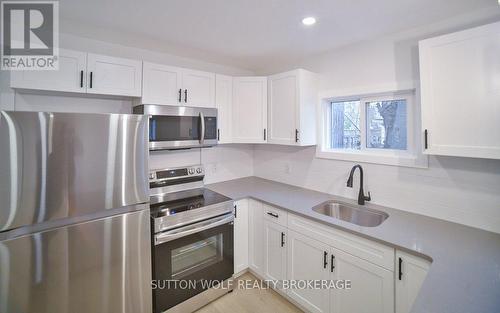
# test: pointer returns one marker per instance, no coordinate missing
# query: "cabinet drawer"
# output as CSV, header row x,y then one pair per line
x,y
366,249
275,215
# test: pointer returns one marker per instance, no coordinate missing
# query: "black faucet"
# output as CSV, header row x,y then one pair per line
x,y
361,197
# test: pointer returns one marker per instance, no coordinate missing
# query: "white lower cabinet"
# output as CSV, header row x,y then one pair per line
x,y
308,259
372,287
274,251
409,278
285,246
240,235
256,237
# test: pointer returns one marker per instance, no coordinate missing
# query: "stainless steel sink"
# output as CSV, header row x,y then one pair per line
x,y
352,214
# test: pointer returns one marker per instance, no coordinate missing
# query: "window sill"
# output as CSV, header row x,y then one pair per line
x,y
405,160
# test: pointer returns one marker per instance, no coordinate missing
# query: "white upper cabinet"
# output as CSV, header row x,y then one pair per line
x,y
161,84
199,88
224,101
292,100
460,81
70,77
169,85
412,271
113,76
85,73
249,109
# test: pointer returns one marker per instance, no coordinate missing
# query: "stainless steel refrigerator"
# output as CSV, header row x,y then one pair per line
x,y
74,218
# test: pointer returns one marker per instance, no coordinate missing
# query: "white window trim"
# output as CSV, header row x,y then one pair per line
x,y
412,157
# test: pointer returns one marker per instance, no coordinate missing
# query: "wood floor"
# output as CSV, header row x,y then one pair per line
x,y
250,301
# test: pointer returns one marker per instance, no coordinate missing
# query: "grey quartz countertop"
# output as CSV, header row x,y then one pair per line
x,y
464,276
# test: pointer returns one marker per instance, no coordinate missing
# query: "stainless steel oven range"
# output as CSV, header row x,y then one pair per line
x,y
192,229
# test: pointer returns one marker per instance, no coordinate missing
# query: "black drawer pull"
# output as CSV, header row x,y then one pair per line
x,y
325,259
235,211
81,79
282,239
91,76
332,266
180,95
272,214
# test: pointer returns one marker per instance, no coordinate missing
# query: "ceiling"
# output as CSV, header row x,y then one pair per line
x,y
252,34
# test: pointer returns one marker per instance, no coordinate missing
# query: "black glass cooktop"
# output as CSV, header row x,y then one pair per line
x,y
172,203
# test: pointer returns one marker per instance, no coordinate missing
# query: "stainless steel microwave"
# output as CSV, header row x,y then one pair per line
x,y
176,127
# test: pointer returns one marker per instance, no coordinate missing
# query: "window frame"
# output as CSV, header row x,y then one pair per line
x,y
411,157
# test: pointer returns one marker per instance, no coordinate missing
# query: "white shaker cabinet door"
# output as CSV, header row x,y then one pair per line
x,y
198,89
113,76
460,92
308,260
161,84
372,287
250,109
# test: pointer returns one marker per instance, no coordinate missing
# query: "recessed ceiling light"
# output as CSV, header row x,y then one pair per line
x,y
311,20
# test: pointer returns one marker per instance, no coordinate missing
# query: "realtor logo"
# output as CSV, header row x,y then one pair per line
x,y
29,35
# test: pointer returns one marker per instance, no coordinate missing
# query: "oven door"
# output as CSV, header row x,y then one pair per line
x,y
182,127
187,258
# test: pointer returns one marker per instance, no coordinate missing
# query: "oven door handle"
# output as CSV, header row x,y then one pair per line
x,y
202,135
191,229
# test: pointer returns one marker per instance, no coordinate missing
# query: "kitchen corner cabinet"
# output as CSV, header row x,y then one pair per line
x,y
224,101
83,72
240,235
249,110
169,85
411,272
292,101
460,93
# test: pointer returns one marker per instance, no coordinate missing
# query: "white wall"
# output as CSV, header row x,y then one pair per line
x,y
462,190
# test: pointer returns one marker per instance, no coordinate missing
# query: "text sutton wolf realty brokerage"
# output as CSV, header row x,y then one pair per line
x,y
29,35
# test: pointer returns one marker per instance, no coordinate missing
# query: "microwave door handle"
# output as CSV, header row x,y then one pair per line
x,y
202,137
191,229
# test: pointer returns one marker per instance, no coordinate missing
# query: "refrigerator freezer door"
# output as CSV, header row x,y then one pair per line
x,y
98,266
59,165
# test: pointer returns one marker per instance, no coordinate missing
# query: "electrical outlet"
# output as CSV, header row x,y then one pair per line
x,y
288,168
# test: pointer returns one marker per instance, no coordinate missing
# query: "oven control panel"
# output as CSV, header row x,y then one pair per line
x,y
177,173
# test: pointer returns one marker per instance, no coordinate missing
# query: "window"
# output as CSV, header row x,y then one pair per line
x,y
375,129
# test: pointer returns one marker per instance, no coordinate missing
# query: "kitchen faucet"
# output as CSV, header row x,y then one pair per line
x,y
361,197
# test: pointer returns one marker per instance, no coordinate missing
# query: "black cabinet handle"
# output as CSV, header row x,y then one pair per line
x,y
296,135
332,266
272,214
218,134
282,239
425,139
91,74
325,259
185,95
180,95
235,211
400,274
264,134
81,79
